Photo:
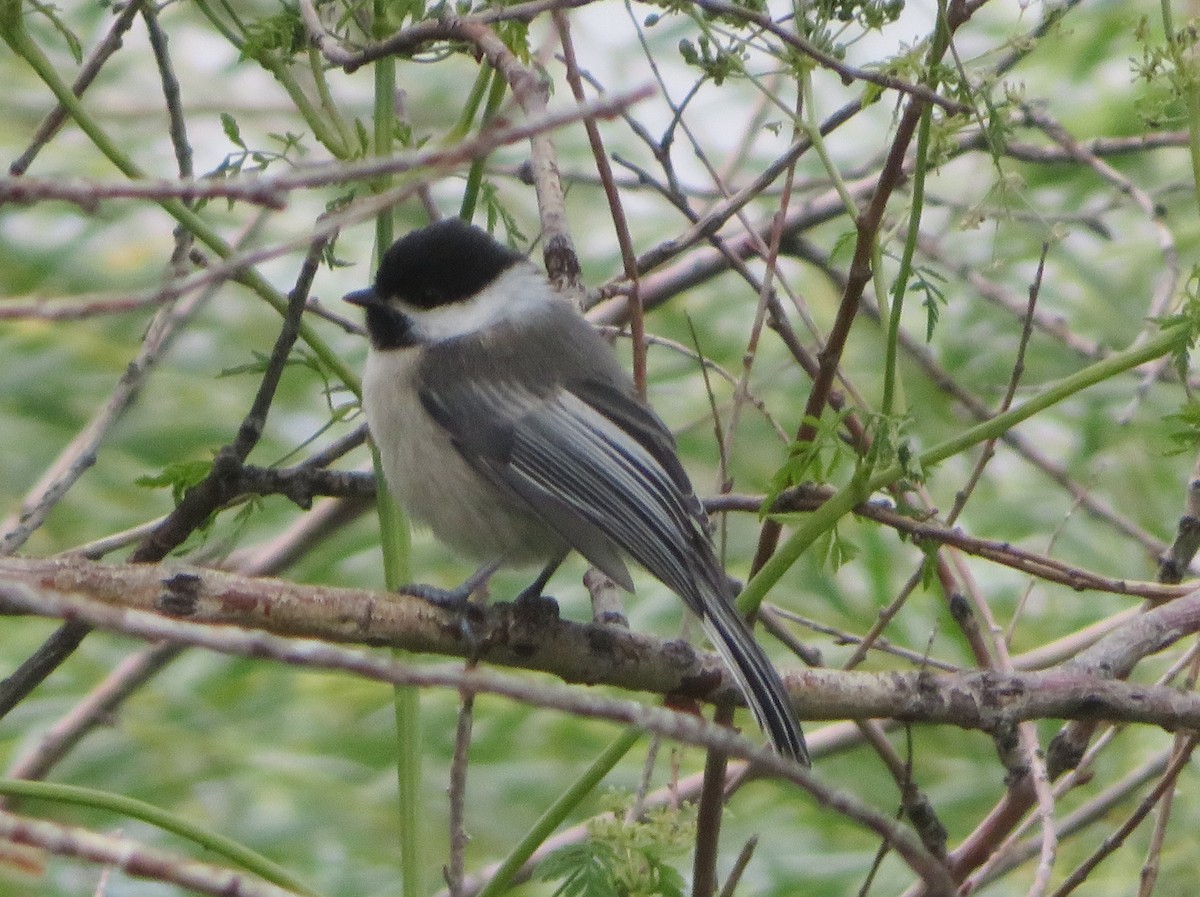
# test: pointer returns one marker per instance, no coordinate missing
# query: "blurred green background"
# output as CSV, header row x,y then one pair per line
x,y
299,765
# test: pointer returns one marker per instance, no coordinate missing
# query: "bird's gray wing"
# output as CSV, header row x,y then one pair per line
x,y
600,469
592,462
636,420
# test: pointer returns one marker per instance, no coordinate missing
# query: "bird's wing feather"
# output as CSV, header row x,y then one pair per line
x,y
600,468
636,420
488,427
595,474
613,482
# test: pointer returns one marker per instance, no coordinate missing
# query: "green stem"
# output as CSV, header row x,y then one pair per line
x,y
936,50
1185,56
219,24
864,485
557,812
462,127
406,702
136,809
394,534
812,127
900,287
475,174
328,106
326,133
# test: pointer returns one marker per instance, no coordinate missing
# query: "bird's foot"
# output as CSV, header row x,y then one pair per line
x,y
532,605
469,614
459,597
455,599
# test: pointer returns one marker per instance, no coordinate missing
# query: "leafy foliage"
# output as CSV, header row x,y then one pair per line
x,y
178,477
54,17
279,36
819,459
623,858
255,161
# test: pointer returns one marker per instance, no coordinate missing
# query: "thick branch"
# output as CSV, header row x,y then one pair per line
x,y
595,654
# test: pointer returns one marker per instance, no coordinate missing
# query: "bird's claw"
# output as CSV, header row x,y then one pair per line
x,y
456,599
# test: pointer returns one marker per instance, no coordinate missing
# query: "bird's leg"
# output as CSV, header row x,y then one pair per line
x,y
532,594
458,600
458,597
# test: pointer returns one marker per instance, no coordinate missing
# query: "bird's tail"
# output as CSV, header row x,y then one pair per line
x,y
757,678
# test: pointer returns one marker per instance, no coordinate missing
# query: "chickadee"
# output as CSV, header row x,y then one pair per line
x,y
504,423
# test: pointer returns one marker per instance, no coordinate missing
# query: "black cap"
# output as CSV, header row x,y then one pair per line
x,y
441,264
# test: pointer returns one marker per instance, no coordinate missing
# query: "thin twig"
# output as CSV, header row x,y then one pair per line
x,y
134,858
200,501
97,708
616,209
456,865
87,74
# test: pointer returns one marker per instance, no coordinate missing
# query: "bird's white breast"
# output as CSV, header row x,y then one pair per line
x,y
429,477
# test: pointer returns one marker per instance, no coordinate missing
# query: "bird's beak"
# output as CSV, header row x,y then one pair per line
x,y
366,298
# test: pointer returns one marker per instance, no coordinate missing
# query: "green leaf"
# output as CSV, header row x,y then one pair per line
x,y
1183,429
363,136
928,282
671,882
230,126
50,11
586,870
817,460
498,213
281,34
835,551
179,477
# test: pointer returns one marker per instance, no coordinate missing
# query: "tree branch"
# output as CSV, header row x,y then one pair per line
x,y
120,597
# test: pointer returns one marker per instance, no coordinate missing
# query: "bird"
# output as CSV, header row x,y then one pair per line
x,y
505,424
